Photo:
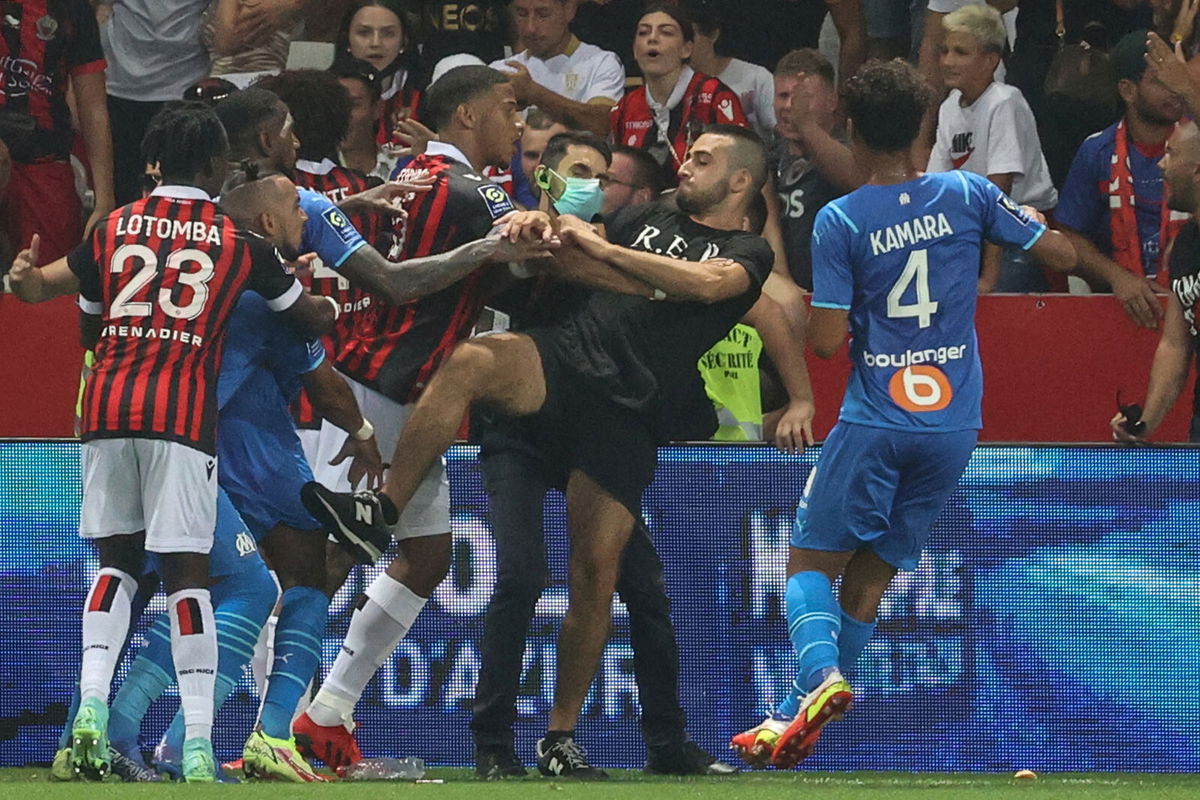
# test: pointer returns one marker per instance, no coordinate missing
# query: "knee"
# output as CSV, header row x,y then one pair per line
x,y
470,364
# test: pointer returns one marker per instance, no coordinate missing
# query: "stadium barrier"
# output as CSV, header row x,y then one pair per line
x,y
1053,623
1052,367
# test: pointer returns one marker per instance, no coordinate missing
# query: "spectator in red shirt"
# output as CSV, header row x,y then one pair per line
x,y
44,46
378,32
666,114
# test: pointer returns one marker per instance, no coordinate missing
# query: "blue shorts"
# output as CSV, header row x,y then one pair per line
x,y
263,470
233,552
880,488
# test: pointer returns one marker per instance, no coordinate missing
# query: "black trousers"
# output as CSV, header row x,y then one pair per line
x,y
129,120
516,490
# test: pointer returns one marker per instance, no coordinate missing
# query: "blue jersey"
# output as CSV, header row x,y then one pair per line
x,y
328,232
904,261
261,345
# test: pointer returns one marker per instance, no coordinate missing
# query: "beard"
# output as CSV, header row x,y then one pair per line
x,y
698,201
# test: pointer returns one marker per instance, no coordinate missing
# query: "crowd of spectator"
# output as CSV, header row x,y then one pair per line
x,y
1052,100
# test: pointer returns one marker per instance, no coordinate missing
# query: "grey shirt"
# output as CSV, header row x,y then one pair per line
x,y
153,48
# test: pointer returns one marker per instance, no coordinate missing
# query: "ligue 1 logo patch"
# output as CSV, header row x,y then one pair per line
x,y
341,226
498,202
1010,205
46,27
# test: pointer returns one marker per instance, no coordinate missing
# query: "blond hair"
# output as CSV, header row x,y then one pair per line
x,y
981,22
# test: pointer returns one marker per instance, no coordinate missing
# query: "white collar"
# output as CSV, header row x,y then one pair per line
x,y
685,77
181,192
447,150
324,167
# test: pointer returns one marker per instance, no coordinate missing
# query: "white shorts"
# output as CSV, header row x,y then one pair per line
x,y
310,442
167,489
428,513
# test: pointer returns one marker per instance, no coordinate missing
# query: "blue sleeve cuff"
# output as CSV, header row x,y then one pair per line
x,y
349,252
1035,238
838,306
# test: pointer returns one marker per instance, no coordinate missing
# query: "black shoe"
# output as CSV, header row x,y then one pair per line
x,y
355,520
565,759
131,770
494,763
684,758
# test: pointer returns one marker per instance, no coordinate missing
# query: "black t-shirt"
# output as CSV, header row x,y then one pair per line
x,y
641,353
803,191
1185,284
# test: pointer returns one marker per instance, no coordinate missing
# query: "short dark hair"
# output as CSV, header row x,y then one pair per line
x,y
320,108
459,85
807,61
676,13
184,138
646,171
244,114
756,213
556,148
886,103
708,18
347,66
749,152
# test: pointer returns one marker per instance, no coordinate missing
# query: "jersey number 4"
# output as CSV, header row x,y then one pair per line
x,y
182,261
916,273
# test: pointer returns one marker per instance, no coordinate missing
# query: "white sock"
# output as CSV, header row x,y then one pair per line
x,y
105,627
375,630
194,650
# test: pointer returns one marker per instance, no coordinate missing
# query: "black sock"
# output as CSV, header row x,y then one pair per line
x,y
390,515
554,737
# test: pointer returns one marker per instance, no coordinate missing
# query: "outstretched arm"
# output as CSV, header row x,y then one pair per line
x,y
704,281
1168,374
401,281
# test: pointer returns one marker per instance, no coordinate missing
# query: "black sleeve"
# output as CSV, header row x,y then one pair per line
x,y
753,253
82,262
85,45
268,275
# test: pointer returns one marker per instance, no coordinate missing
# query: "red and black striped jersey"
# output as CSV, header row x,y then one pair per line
x,y
404,104
43,43
164,274
336,183
705,100
396,349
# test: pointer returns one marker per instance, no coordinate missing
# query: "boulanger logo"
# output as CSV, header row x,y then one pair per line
x,y
920,388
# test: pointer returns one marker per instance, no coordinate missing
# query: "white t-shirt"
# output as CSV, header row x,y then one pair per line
x,y
583,73
995,135
755,87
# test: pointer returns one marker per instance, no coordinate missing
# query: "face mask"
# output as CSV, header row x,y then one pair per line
x,y
582,197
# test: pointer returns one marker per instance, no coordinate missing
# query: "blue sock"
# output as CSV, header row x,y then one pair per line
x,y
851,641
813,624
147,586
241,606
149,676
297,654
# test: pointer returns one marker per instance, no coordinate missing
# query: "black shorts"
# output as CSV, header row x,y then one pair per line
x,y
577,428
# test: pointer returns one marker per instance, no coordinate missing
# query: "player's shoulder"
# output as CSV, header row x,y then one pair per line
x,y
471,190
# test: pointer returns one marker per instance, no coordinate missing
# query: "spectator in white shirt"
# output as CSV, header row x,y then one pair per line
x,y
987,128
754,85
570,81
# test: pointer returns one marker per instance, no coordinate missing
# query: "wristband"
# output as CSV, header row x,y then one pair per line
x,y
337,307
659,294
365,432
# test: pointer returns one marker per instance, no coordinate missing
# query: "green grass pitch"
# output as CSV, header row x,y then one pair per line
x,y
28,784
